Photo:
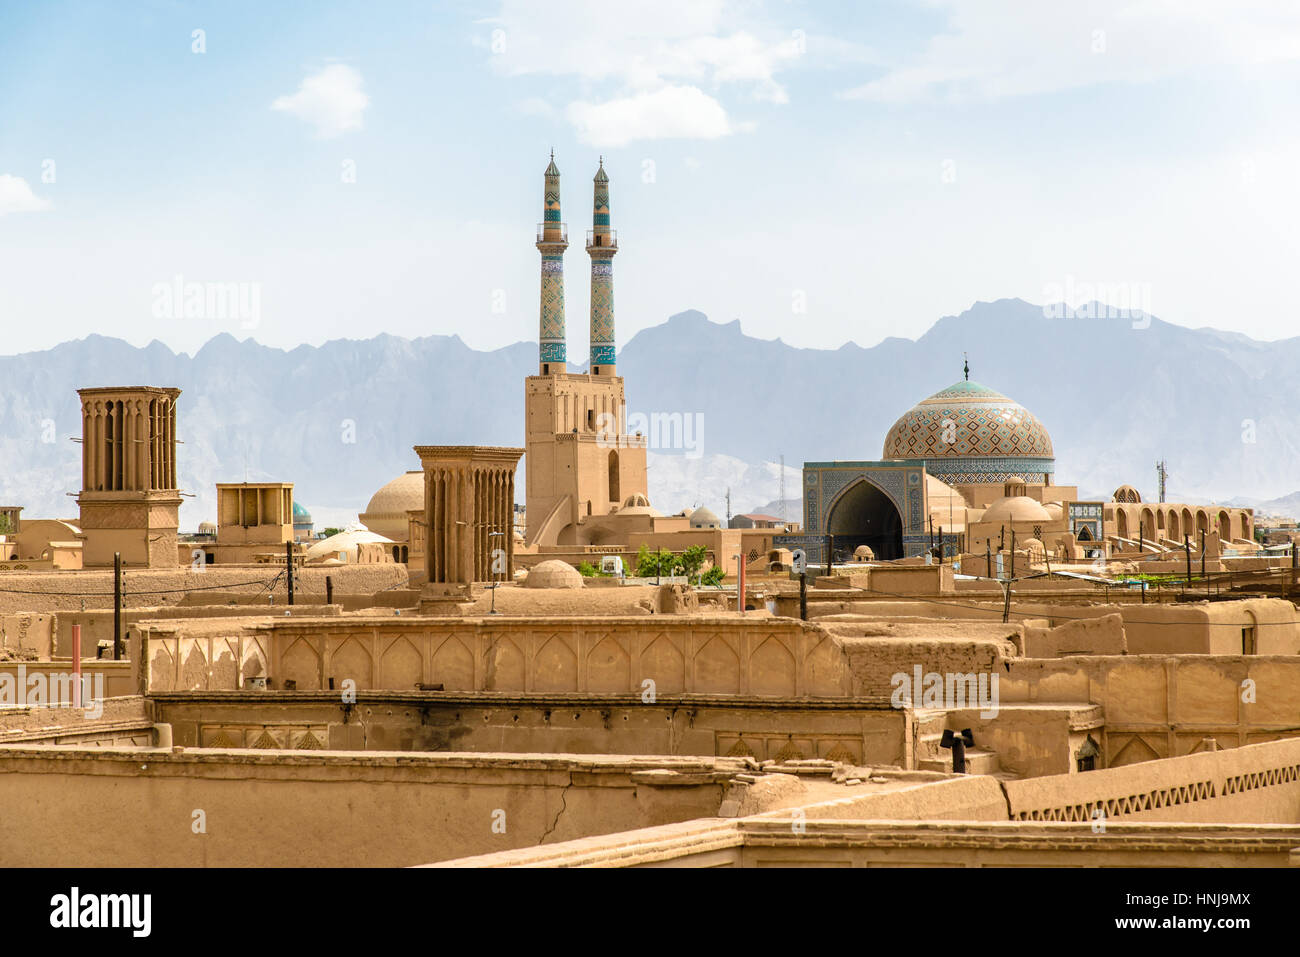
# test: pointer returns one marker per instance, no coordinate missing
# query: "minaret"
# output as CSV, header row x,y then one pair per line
x,y
552,241
602,244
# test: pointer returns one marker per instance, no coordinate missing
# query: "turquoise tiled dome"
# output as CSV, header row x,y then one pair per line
x,y
977,423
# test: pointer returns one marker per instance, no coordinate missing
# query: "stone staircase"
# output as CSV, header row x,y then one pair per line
x,y
932,756
1042,724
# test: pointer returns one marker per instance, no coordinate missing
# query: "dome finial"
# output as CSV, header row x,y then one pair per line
x,y
965,366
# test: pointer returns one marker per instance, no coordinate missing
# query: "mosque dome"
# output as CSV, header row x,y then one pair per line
x,y
300,515
1021,508
969,434
704,517
386,513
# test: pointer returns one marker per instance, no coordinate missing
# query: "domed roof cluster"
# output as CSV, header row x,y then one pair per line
x,y
967,420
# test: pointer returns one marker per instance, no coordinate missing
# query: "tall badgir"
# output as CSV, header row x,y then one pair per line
x,y
581,463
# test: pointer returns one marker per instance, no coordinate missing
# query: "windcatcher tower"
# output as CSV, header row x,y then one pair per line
x,y
552,241
581,463
602,244
129,500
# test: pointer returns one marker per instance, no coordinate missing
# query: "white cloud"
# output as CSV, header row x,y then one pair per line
x,y
331,100
535,106
652,56
17,197
996,48
674,112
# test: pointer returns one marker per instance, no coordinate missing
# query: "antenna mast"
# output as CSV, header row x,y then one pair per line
x,y
781,494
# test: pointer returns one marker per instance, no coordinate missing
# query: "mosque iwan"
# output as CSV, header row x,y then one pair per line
x,y
951,659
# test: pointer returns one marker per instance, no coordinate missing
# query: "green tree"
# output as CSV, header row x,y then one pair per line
x,y
693,559
713,576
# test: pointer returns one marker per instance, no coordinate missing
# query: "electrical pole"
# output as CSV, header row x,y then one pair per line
x,y
117,606
288,565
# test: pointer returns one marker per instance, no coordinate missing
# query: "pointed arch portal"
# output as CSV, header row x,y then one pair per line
x,y
864,515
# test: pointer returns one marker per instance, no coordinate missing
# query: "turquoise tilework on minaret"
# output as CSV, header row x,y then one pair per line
x,y
602,248
551,244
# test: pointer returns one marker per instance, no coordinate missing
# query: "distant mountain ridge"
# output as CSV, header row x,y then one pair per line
x,y
340,419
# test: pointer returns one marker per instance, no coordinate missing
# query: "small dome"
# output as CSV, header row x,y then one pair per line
x,y
207,528
386,513
553,573
300,514
704,517
863,553
1127,494
633,501
1021,508
345,541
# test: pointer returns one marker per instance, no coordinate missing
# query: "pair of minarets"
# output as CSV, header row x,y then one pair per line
x,y
602,244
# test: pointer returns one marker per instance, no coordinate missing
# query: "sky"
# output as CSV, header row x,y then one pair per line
x,y
824,172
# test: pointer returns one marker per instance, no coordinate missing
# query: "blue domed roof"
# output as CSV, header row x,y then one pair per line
x,y
967,420
300,514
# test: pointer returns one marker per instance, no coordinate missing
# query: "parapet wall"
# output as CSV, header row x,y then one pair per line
x,y
110,807
1254,784
658,655
1200,628
1160,706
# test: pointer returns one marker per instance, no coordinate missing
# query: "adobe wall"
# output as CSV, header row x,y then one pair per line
x,y
1166,706
97,625
773,841
1194,628
877,651
117,676
319,809
27,632
666,655
79,590
1253,784
574,724
121,721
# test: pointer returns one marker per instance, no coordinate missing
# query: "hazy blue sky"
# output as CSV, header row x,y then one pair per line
x,y
822,171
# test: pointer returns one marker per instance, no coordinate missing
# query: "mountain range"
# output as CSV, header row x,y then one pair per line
x,y
339,420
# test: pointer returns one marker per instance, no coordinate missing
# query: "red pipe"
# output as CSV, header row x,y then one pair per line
x,y
76,666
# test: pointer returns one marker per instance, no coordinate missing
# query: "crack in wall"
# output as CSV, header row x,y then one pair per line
x,y
564,804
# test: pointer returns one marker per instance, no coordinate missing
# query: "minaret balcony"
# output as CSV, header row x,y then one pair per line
x,y
543,227
605,240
